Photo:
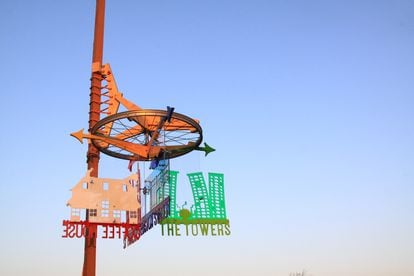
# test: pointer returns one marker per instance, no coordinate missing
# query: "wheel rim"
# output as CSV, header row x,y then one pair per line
x,y
176,137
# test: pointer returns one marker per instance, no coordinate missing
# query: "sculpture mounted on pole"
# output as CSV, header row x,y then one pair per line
x,y
126,208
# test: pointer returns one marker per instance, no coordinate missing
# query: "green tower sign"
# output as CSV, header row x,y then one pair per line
x,y
208,214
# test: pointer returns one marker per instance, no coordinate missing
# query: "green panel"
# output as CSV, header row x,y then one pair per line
x,y
172,192
216,190
201,201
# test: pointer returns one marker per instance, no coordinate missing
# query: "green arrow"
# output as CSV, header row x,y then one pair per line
x,y
207,149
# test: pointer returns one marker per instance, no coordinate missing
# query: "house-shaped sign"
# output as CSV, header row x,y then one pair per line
x,y
107,200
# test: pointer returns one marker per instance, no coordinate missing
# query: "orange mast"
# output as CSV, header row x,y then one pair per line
x,y
89,263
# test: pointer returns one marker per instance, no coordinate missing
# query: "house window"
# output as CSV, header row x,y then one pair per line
x,y
133,214
85,185
105,213
117,213
75,212
105,204
93,213
124,188
105,186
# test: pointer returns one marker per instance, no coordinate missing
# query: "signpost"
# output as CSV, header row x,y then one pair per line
x,y
137,135
89,262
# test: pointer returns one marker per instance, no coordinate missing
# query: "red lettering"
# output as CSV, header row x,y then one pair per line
x,y
126,231
72,230
112,232
137,232
79,230
118,228
65,231
105,232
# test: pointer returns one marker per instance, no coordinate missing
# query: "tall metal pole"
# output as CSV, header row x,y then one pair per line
x,y
89,262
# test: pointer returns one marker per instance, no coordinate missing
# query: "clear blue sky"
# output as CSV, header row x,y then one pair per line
x,y
309,104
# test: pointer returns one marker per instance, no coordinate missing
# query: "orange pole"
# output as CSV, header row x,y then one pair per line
x,y
89,262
